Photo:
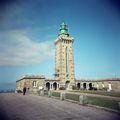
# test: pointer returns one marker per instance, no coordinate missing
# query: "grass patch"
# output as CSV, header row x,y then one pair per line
x,y
106,93
74,97
56,94
103,102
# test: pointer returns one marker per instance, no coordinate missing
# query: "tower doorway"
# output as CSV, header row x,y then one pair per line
x,y
55,86
67,83
84,86
48,86
90,86
78,86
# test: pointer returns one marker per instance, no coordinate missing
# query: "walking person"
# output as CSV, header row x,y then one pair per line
x,y
24,90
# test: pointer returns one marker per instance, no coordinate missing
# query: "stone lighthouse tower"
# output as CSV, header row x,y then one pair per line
x,y
64,61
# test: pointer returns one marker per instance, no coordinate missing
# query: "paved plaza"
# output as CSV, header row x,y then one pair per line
x,y
15,106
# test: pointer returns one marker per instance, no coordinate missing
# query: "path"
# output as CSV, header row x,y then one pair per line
x,y
31,107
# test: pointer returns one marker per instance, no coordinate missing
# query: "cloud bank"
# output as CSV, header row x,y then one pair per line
x,y
17,49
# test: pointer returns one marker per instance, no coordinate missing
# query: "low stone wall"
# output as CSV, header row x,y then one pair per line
x,y
84,99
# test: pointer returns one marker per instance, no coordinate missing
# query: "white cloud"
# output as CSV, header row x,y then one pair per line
x,y
17,49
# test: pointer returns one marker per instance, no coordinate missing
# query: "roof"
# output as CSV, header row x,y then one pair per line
x,y
31,77
99,80
49,80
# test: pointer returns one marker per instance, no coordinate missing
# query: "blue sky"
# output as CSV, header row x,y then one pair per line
x,y
28,29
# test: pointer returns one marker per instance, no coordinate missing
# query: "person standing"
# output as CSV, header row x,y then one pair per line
x,y
24,90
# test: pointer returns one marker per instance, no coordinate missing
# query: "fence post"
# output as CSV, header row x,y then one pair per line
x,y
42,92
49,93
62,96
83,99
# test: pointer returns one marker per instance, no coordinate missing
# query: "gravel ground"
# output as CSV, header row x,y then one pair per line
x,y
15,106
